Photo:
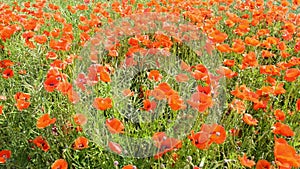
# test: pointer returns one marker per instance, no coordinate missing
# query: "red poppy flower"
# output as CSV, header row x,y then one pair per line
x,y
81,143
279,89
166,88
281,46
102,103
218,135
7,73
154,75
297,46
45,121
22,72
21,105
4,155
51,55
184,66
157,94
207,135
28,34
238,46
80,119
266,54
129,167
262,32
229,63
249,60
263,164
247,118
200,101
60,164
115,147
81,81
283,129
279,114
166,145
273,40
115,126
252,41
292,74
22,100
127,92
224,48
103,72
225,71
22,96
175,102
181,77
298,105
1,109
149,105
158,137
200,139
204,89
41,39
6,63
217,36
246,162
285,155
51,84
238,105
64,87
41,143
73,96
59,64
270,70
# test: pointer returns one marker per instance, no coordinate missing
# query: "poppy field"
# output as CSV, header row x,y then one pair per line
x,y
140,84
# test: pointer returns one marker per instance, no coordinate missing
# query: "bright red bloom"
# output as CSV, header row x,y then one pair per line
x,y
41,143
64,87
22,100
41,39
263,164
45,121
4,155
283,129
102,103
7,73
246,162
129,167
285,155
207,135
229,63
247,118
154,75
81,143
149,105
115,126
291,74
115,147
279,114
80,119
298,105
51,84
60,164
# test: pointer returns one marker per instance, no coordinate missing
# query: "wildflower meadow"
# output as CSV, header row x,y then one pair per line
x,y
142,84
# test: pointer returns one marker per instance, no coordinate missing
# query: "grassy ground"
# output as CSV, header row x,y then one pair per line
x,y
18,128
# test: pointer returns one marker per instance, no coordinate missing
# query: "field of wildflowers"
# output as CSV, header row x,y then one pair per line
x,y
140,84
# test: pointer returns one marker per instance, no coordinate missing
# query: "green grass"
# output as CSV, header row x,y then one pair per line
x,y
18,128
